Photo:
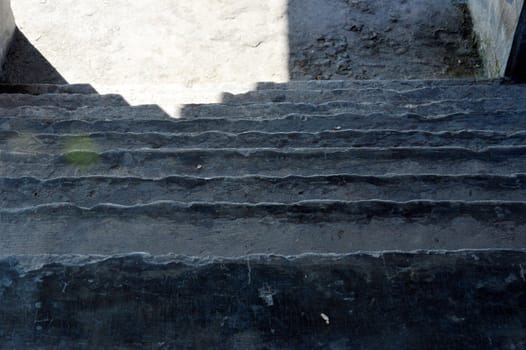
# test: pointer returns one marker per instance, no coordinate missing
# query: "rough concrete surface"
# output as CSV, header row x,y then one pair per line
x,y
381,39
470,300
495,23
7,28
171,53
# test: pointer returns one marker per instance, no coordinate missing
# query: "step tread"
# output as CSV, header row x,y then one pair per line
x,y
233,229
268,161
51,143
377,94
447,298
89,191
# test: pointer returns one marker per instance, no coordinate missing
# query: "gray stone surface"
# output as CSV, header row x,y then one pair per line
x,y
92,190
236,229
495,23
380,39
7,29
170,54
429,300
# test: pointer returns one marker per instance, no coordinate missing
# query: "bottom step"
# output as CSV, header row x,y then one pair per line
x,y
424,300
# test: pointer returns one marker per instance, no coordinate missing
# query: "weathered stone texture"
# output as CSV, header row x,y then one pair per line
x,y
463,300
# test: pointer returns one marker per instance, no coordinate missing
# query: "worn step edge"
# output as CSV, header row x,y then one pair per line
x,y
50,143
268,161
318,208
40,89
273,109
294,84
234,229
88,191
285,108
70,102
375,94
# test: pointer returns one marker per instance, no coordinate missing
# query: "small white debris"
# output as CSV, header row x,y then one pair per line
x,y
199,167
325,318
267,294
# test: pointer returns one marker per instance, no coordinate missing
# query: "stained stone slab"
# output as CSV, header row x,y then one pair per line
x,y
510,121
92,190
237,229
424,300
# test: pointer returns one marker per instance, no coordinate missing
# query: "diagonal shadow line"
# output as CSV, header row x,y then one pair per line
x,y
25,64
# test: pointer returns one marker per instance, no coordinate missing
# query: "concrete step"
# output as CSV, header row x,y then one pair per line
x,y
270,162
58,143
234,229
281,109
66,101
373,95
41,89
512,121
439,300
377,84
100,112
98,109
90,191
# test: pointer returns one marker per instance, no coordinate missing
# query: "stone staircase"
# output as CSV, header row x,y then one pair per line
x,y
306,215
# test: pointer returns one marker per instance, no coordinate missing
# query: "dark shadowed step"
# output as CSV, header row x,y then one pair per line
x,y
232,229
99,111
61,100
266,110
279,109
90,191
41,89
270,162
53,143
430,300
378,94
490,121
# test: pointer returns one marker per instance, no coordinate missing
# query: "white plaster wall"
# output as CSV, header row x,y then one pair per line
x,y
495,22
7,28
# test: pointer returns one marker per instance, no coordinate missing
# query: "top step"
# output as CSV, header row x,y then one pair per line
x,y
382,84
40,89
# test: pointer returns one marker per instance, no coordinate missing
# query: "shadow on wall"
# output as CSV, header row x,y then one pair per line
x,y
25,64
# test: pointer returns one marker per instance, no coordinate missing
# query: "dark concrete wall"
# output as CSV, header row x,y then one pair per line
x,y
495,23
7,28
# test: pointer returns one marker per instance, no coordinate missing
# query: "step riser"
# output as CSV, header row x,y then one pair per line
x,y
375,95
41,89
274,110
155,164
240,229
67,101
269,110
498,122
274,302
377,84
88,192
49,143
